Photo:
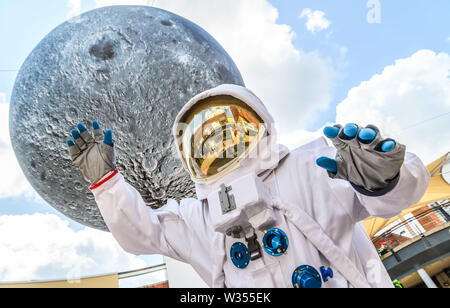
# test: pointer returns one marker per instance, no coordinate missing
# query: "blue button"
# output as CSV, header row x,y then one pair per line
x,y
275,242
326,273
306,277
239,255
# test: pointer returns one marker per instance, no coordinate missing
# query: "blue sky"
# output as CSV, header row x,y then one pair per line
x,y
354,49
406,26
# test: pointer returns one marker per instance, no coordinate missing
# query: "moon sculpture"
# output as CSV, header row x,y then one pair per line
x,y
131,68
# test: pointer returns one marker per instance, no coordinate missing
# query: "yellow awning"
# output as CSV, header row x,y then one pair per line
x,y
437,190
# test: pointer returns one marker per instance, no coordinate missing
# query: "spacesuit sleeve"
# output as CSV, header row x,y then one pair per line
x,y
411,186
139,229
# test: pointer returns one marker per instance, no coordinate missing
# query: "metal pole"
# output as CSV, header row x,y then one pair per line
x,y
143,271
426,278
445,214
391,249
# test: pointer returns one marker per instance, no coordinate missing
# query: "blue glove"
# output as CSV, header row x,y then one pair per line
x,y
363,158
93,154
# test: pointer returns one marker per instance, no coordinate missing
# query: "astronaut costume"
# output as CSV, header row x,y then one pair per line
x,y
265,216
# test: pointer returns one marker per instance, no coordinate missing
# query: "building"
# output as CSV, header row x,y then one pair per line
x,y
415,245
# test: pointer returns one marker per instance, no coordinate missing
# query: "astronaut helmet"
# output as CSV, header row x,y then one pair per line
x,y
219,132
219,129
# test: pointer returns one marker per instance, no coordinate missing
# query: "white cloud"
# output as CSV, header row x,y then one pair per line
x,y
2,98
315,20
43,247
297,138
75,7
13,182
293,84
402,99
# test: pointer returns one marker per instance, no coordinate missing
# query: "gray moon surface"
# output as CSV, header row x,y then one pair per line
x,y
132,68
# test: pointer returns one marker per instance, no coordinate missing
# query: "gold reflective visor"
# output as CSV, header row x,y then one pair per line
x,y
217,134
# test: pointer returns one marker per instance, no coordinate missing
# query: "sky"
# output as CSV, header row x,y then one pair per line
x,y
312,62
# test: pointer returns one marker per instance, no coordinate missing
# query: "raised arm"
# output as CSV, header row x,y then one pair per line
x,y
136,227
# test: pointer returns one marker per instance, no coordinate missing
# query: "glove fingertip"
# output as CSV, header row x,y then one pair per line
x,y
388,146
95,125
331,132
327,163
75,134
367,135
108,140
81,127
350,130
70,143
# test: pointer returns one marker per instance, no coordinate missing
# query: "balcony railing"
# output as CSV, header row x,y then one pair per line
x,y
143,277
409,228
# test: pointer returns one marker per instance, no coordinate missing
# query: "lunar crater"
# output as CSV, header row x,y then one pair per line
x,y
166,23
103,49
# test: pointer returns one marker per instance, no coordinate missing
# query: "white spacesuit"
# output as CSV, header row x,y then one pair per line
x,y
265,217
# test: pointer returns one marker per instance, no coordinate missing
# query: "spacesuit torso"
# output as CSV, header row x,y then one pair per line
x,y
293,194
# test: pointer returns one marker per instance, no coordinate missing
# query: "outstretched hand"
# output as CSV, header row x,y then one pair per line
x,y
363,157
93,154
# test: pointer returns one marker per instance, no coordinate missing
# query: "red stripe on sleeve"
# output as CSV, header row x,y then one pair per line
x,y
92,187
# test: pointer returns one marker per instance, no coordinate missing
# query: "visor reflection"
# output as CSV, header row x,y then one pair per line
x,y
219,132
